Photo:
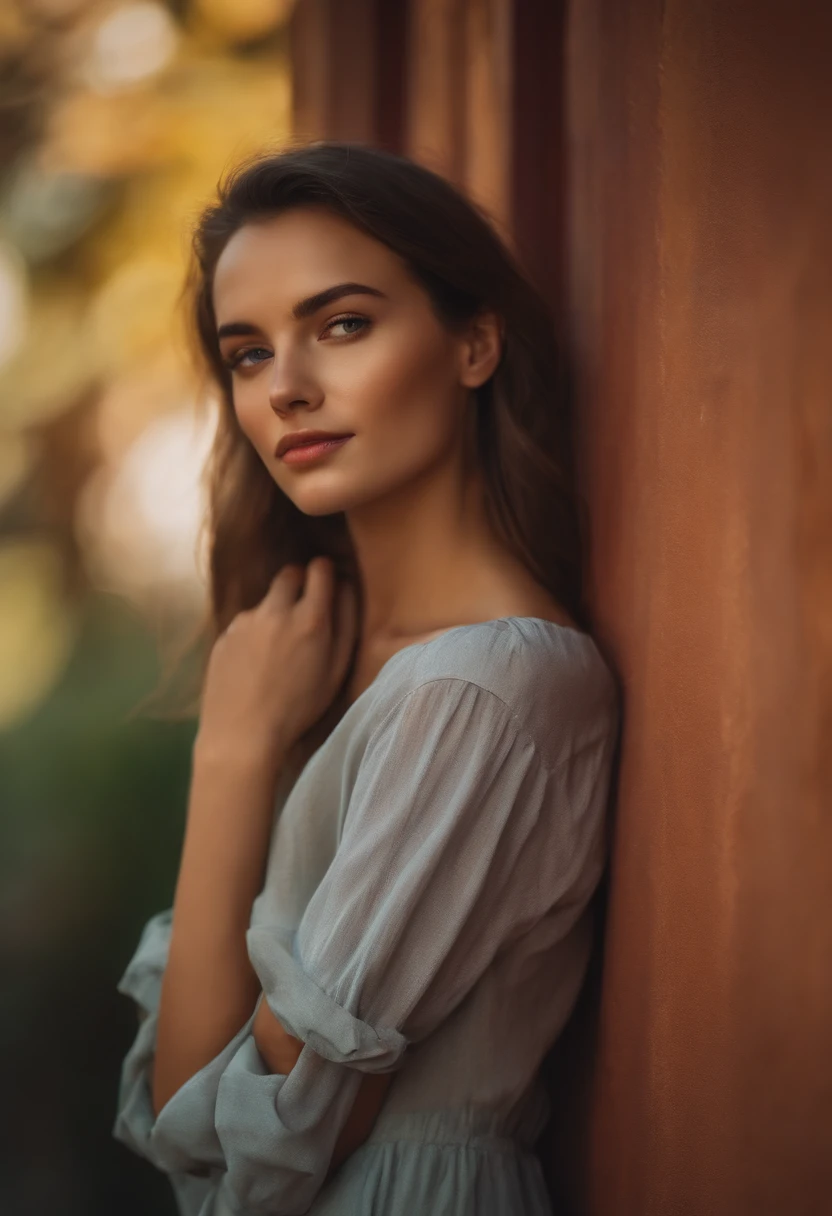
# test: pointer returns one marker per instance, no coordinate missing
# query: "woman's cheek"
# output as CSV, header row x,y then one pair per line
x,y
252,420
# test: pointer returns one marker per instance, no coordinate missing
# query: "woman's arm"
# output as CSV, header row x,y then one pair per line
x,y
209,987
265,687
270,677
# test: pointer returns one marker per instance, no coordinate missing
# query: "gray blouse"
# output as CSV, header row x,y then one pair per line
x,y
425,913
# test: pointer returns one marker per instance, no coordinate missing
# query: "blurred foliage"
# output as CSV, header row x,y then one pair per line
x,y
117,119
94,809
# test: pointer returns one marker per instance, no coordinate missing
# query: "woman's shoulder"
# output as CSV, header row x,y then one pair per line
x,y
546,675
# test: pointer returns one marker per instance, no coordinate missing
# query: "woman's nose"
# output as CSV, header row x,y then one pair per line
x,y
290,386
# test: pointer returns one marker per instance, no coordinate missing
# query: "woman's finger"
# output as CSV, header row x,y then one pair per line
x,y
285,587
316,601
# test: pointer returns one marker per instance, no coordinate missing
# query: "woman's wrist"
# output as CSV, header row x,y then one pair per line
x,y
247,759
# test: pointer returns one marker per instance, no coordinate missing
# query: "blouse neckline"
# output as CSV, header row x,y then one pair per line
x,y
580,633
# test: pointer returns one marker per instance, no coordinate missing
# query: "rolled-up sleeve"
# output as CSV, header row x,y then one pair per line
x,y
455,842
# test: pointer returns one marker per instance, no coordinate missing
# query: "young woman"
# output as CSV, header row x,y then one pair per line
x,y
397,809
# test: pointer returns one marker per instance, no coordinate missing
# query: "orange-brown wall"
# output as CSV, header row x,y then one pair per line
x,y
430,78
700,247
665,170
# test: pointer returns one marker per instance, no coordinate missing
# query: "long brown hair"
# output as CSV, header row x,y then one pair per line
x,y
524,425
524,432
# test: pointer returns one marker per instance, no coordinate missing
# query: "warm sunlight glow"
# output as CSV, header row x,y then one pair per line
x,y
132,44
140,522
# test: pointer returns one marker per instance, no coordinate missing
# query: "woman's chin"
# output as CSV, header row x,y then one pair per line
x,y
328,502
323,499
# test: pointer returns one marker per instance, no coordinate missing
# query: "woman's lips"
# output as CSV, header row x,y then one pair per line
x,y
304,453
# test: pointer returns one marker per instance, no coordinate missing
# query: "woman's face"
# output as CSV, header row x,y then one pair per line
x,y
367,359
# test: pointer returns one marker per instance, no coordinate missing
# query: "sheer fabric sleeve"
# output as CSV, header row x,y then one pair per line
x,y
142,982
456,841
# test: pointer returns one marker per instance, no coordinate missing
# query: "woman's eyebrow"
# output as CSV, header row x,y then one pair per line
x,y
305,308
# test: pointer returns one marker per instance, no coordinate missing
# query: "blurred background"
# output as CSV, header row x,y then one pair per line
x,y
116,120
662,171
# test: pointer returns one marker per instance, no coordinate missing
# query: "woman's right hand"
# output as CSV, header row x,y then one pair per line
x,y
279,666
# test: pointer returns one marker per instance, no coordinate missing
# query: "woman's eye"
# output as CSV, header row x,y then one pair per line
x,y
251,356
247,357
361,322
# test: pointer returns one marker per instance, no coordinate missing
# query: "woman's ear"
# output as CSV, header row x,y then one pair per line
x,y
481,349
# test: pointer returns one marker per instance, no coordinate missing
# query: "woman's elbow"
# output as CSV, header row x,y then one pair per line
x,y
281,1051
278,1048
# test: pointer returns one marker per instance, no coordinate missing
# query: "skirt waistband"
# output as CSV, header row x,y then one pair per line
x,y
469,1125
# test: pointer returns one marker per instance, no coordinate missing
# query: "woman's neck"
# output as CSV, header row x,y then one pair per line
x,y
424,556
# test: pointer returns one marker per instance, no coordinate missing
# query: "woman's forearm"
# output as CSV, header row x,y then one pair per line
x,y
281,1052
209,988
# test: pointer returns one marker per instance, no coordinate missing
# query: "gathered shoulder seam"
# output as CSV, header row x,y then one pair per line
x,y
521,729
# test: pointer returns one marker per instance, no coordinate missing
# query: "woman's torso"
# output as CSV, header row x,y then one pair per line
x,y
474,1076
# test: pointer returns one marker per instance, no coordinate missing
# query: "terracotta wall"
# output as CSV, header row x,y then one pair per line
x,y
431,78
700,200
664,168
348,67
